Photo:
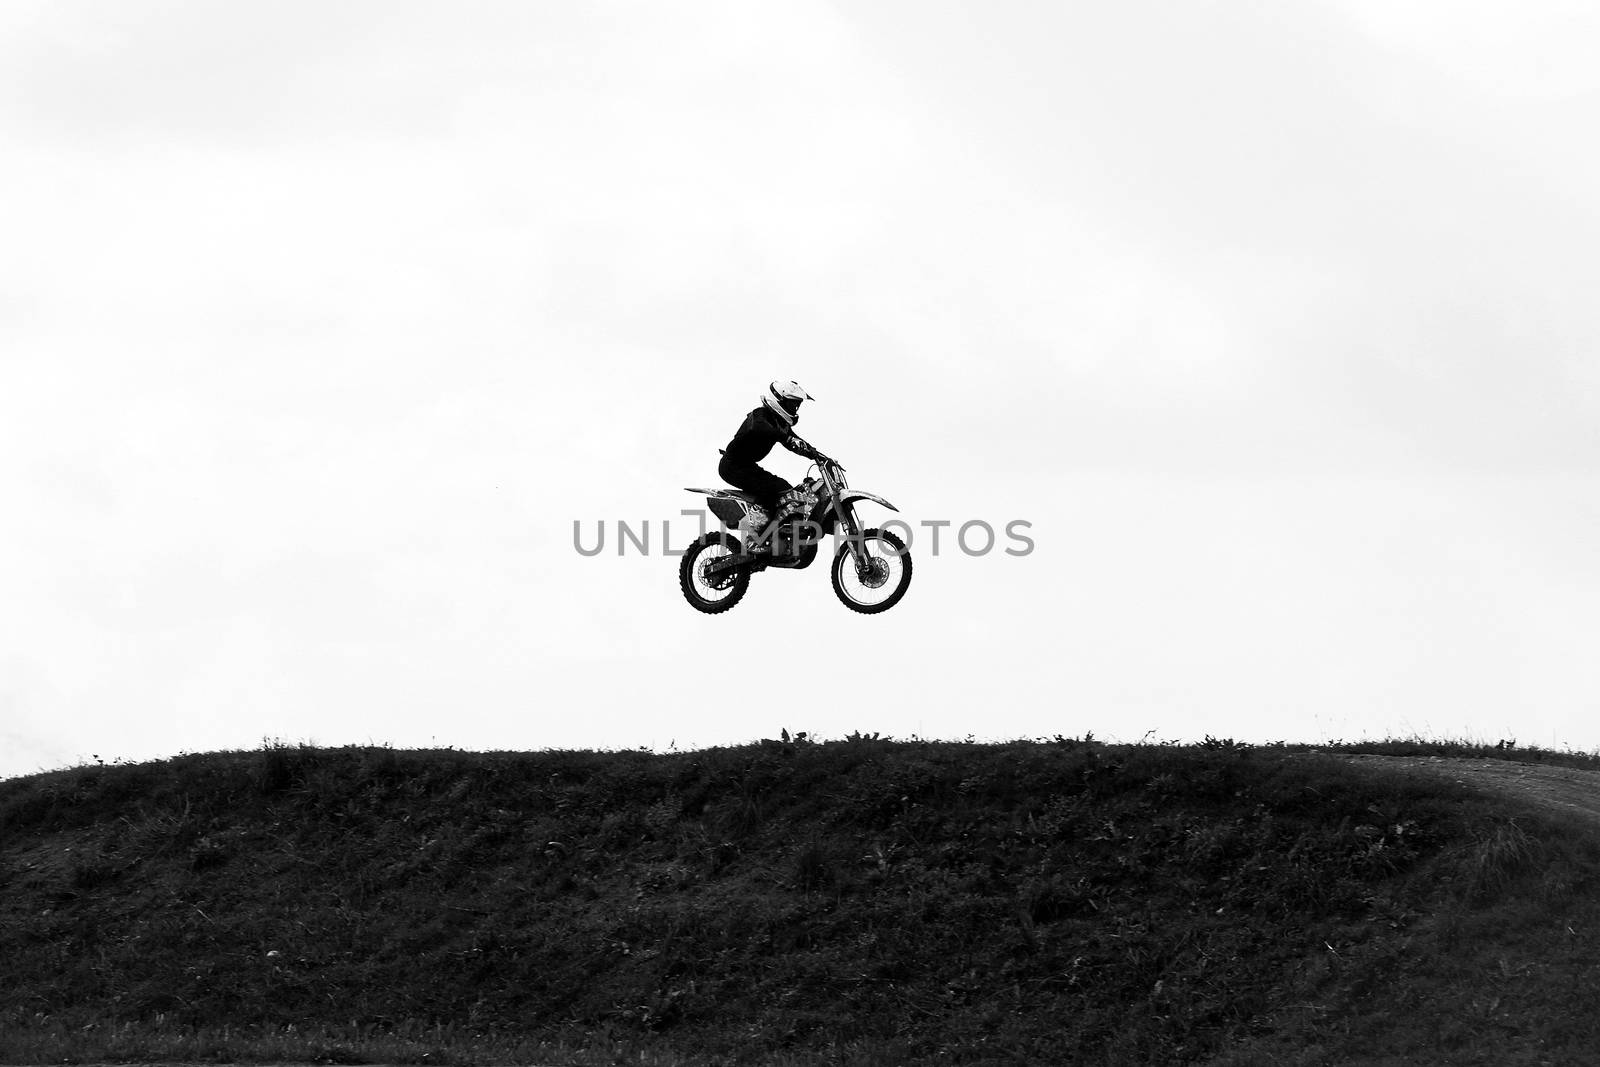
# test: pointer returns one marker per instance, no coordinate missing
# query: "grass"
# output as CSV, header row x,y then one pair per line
x,y
862,901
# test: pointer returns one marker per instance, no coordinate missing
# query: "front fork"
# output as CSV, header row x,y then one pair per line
x,y
847,519
852,533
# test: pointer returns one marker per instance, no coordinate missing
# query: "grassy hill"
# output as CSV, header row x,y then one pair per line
x,y
863,901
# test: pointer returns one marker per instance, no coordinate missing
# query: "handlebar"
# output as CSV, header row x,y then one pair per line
x,y
831,471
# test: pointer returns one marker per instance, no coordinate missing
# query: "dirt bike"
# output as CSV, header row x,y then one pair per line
x,y
871,567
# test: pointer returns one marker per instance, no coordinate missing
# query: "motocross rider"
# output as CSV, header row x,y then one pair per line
x,y
770,424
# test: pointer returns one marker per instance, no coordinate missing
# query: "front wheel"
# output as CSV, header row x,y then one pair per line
x,y
711,595
882,582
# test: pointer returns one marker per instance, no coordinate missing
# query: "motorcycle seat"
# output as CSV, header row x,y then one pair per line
x,y
724,494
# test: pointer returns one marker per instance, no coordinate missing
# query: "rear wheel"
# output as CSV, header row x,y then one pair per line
x,y
882,582
711,595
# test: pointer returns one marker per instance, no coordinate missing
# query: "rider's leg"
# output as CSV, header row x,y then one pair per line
x,y
765,486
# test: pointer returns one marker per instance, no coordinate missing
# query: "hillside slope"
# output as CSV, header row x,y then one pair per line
x,y
861,901
1555,788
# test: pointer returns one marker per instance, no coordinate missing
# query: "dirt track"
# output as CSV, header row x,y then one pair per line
x,y
1560,788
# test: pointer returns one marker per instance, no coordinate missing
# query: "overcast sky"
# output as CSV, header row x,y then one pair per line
x,y
320,324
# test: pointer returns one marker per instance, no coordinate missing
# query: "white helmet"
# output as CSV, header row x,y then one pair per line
x,y
783,399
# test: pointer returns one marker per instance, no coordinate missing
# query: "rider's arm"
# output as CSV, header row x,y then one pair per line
x,y
799,447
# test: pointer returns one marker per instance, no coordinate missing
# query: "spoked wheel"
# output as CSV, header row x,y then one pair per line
x,y
880,585
708,594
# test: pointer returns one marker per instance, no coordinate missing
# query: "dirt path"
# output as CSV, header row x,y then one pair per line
x,y
1560,788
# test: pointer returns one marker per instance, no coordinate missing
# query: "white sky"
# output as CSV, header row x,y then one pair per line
x,y
321,323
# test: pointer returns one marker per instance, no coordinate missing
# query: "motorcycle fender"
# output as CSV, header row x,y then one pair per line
x,y
853,495
825,517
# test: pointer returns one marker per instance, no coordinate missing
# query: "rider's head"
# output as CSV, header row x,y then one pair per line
x,y
783,399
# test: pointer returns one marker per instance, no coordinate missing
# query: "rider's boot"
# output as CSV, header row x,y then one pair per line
x,y
751,528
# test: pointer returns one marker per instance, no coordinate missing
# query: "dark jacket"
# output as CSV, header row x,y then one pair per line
x,y
761,430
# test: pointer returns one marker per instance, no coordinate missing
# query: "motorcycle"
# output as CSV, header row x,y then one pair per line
x,y
871,567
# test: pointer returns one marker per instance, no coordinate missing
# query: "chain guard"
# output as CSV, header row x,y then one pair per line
x,y
721,581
